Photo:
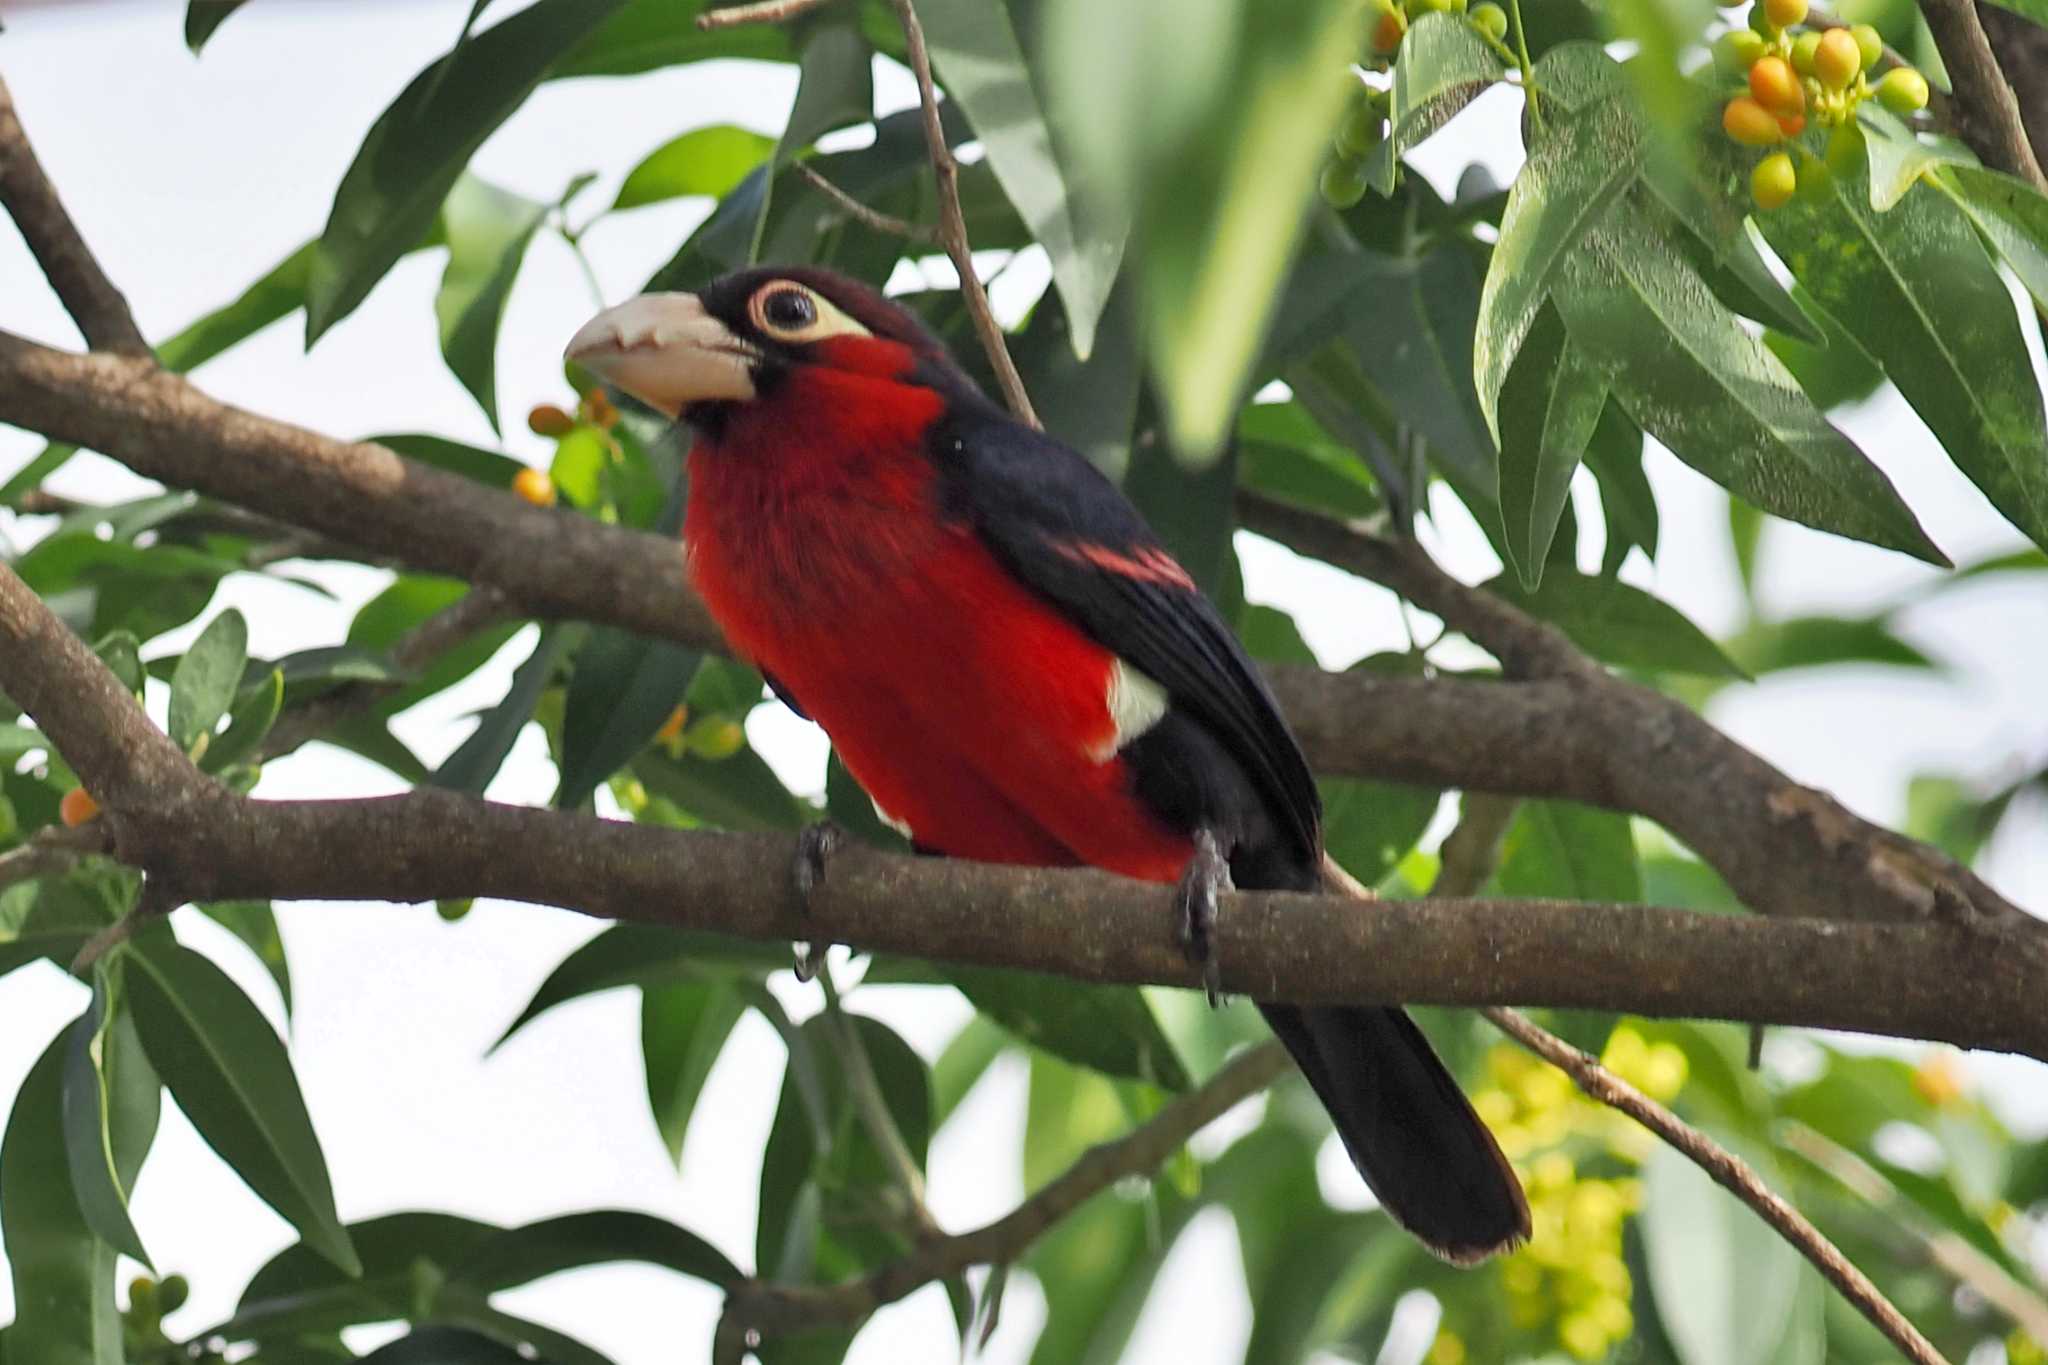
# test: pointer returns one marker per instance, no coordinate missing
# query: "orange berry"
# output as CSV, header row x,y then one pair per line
x,y
598,410
1837,60
77,807
1388,29
534,486
1775,86
1749,123
673,726
1792,124
1938,1080
548,420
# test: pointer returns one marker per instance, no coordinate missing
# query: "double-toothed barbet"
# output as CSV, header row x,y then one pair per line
x,y
1010,663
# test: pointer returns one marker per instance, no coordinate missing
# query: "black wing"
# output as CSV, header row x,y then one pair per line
x,y
1067,532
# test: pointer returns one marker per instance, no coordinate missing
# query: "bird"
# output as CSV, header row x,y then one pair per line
x,y
1011,664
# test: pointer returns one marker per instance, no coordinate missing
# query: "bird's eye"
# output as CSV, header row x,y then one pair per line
x,y
788,310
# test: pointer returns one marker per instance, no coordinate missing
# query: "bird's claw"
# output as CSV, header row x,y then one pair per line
x,y
815,844
1208,872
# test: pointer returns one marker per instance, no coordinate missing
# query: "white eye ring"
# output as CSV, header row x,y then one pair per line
x,y
788,311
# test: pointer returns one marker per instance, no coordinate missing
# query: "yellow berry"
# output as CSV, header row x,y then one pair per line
x,y
77,807
1903,90
534,486
1773,181
1362,128
1749,123
1387,30
1343,182
1746,46
1785,13
673,726
1837,58
1870,44
1490,19
1773,85
548,420
1938,1080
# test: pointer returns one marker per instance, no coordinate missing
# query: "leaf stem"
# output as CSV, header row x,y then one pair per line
x,y
1521,58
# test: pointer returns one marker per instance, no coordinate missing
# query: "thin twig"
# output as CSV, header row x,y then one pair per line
x,y
765,12
53,849
772,1307
156,898
88,295
865,1090
953,223
1730,1172
881,222
1987,116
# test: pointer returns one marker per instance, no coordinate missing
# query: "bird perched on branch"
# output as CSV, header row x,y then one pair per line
x,y
1011,664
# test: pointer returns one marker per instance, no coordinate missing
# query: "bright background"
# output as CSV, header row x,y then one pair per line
x,y
192,177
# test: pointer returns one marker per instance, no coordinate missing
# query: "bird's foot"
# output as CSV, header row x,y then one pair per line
x,y
815,844
1208,872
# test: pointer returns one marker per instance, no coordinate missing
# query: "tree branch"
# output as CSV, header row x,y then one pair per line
x,y
1986,114
768,1307
1786,849
1729,1172
765,12
94,304
953,223
1969,985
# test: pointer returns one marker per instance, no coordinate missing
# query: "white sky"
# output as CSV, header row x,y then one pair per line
x,y
190,178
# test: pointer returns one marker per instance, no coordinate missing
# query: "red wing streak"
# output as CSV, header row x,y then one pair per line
x,y
1149,565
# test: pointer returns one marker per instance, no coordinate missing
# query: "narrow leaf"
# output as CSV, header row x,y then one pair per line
x,y
645,955
1549,408
202,17
516,1256
232,1078
1444,66
1109,1029
249,721
704,161
624,687
488,230
2012,214
1620,624
255,924
683,1028
110,1100
477,760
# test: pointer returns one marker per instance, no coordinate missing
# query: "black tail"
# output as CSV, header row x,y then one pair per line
x,y
1409,1129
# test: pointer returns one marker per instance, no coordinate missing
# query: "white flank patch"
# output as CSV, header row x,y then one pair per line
x,y
1136,704
891,821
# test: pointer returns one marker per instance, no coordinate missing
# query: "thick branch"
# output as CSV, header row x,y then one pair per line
x,y
1986,114
1784,848
953,222
94,304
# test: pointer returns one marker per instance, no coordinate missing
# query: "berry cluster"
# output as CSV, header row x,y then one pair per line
x,y
1789,76
1365,123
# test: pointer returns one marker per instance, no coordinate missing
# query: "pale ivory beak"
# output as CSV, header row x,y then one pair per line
x,y
666,351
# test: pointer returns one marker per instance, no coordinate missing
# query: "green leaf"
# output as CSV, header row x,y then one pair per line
x,y
646,955
232,1078
1620,624
1814,641
1549,407
516,1256
1916,289
1565,850
2012,214
299,1293
202,17
203,686
1683,367
1586,158
110,1105
477,760
418,146
740,792
1724,1281
64,1311
1444,66
1896,157
1833,374
624,688
683,1028
2036,10
249,721
704,161
255,923
966,1058
277,294
1107,1028
1284,454
1707,218
488,230
835,87
983,66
